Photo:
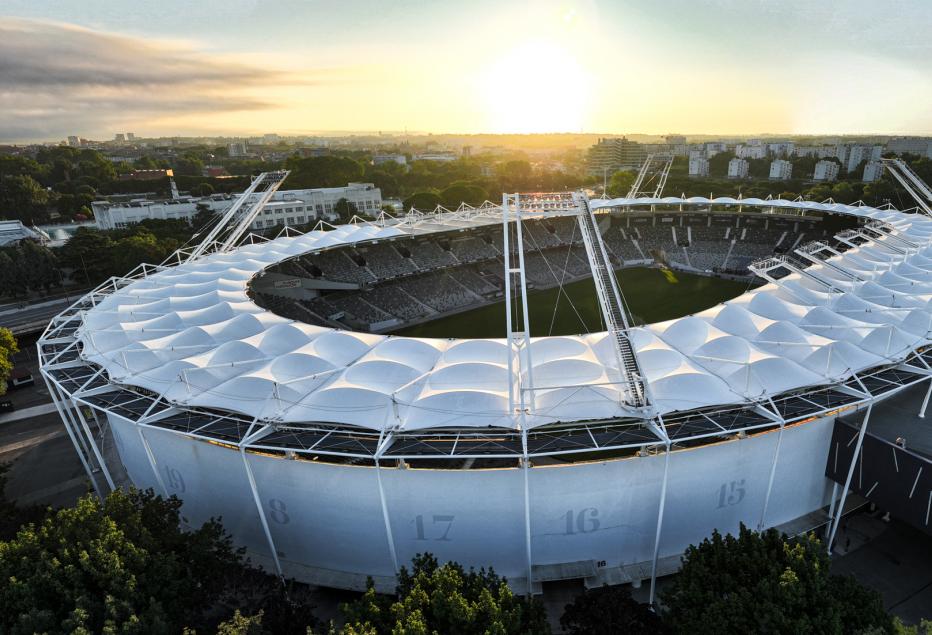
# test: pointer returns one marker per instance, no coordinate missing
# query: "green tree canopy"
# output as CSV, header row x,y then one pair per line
x,y
344,210
23,198
117,566
89,254
8,348
620,183
27,266
445,599
462,192
767,583
321,172
423,201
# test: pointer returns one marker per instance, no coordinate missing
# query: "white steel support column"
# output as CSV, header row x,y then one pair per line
x,y
506,244
389,535
152,463
77,447
773,471
261,510
525,364
663,500
831,505
844,491
64,405
527,510
512,203
96,450
925,402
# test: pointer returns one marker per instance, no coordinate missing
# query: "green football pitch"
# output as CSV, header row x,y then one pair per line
x,y
652,295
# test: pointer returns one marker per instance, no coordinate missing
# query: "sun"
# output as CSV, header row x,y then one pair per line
x,y
536,86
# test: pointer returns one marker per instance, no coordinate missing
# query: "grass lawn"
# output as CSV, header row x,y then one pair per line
x,y
652,296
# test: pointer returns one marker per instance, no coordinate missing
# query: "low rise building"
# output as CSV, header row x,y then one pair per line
x,y
381,159
781,170
444,157
146,175
287,207
825,171
13,232
738,168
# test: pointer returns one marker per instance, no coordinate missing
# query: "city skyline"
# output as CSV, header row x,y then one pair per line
x,y
244,68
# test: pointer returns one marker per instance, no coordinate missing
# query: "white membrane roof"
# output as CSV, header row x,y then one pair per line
x,y
192,334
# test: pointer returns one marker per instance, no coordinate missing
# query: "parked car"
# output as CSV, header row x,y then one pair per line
x,y
20,378
6,406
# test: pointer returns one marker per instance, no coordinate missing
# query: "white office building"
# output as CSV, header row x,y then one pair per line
x,y
825,171
738,169
873,171
781,170
287,207
698,166
381,159
860,153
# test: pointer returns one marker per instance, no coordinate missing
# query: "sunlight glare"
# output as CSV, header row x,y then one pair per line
x,y
537,86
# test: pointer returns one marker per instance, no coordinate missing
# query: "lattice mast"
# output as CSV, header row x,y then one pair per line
x,y
612,304
652,177
228,231
911,182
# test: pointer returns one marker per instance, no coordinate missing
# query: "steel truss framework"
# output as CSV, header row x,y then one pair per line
x,y
81,390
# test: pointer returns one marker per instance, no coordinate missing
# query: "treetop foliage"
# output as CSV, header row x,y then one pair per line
x,y
445,599
8,348
766,583
121,565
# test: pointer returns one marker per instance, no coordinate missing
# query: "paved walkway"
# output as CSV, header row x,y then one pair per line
x,y
27,413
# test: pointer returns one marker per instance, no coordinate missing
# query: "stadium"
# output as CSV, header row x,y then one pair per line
x,y
258,380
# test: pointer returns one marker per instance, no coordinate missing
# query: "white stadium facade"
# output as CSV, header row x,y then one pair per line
x,y
334,455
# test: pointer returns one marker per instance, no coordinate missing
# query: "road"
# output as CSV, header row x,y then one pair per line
x,y
32,318
45,468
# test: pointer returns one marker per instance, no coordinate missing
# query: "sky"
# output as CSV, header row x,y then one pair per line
x,y
242,67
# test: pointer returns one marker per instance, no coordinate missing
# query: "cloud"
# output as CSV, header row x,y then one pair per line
x,y
59,79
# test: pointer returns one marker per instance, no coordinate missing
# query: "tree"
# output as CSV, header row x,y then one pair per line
x,y
23,198
120,565
609,610
767,583
462,192
445,599
205,189
8,348
202,217
423,201
344,210
89,254
386,182
620,183
189,165
321,172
